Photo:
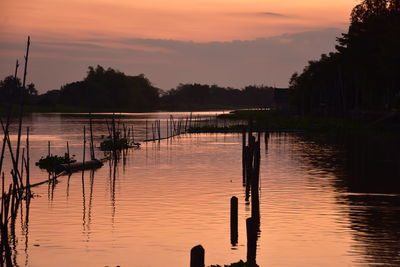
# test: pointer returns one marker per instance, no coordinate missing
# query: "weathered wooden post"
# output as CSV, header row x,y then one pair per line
x,y
167,129
84,146
249,165
159,130
251,240
48,148
27,165
92,157
67,148
255,182
197,256
234,221
244,156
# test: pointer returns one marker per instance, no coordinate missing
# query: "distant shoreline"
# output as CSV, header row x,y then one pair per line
x,y
73,109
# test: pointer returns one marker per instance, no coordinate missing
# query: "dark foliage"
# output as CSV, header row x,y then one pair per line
x,y
109,90
50,162
11,91
364,72
187,96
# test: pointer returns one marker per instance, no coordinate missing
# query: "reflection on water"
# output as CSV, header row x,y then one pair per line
x,y
323,201
368,174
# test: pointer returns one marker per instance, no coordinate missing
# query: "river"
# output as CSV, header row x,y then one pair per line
x,y
323,201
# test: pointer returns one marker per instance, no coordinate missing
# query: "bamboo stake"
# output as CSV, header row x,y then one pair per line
x,y
91,138
27,165
22,103
84,146
26,60
16,70
15,173
167,129
159,130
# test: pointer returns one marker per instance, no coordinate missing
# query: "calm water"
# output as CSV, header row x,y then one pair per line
x,y
323,201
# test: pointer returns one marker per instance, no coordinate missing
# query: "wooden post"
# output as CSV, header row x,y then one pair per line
x,y
255,201
48,148
234,221
91,138
197,256
249,169
167,129
159,130
84,146
251,240
16,70
26,61
244,157
27,165
68,148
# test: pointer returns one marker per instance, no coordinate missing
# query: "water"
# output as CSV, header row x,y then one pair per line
x,y
320,202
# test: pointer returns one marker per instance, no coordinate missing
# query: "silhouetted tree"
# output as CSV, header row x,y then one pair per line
x,y
110,89
10,89
188,96
31,90
364,72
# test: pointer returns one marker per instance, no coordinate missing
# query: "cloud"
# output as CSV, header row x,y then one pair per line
x,y
271,14
264,14
268,61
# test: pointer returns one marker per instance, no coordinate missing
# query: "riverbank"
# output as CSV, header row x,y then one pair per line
x,y
74,109
270,120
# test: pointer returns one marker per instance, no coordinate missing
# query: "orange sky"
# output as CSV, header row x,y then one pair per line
x,y
196,20
66,34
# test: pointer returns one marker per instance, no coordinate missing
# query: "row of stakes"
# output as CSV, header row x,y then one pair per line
x,y
251,181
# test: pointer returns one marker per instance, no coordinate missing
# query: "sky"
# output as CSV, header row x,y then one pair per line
x,y
226,42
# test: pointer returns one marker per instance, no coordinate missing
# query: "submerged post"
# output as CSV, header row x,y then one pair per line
x,y
159,130
27,165
255,183
167,129
251,240
197,256
92,157
234,221
244,157
48,148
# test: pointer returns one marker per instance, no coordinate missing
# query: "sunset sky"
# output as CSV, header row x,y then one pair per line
x,y
227,42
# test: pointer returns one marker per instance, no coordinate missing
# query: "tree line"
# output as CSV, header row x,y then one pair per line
x,y
364,71
192,96
12,91
111,90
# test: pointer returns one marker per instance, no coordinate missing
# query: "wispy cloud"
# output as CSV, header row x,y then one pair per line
x,y
272,14
266,14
